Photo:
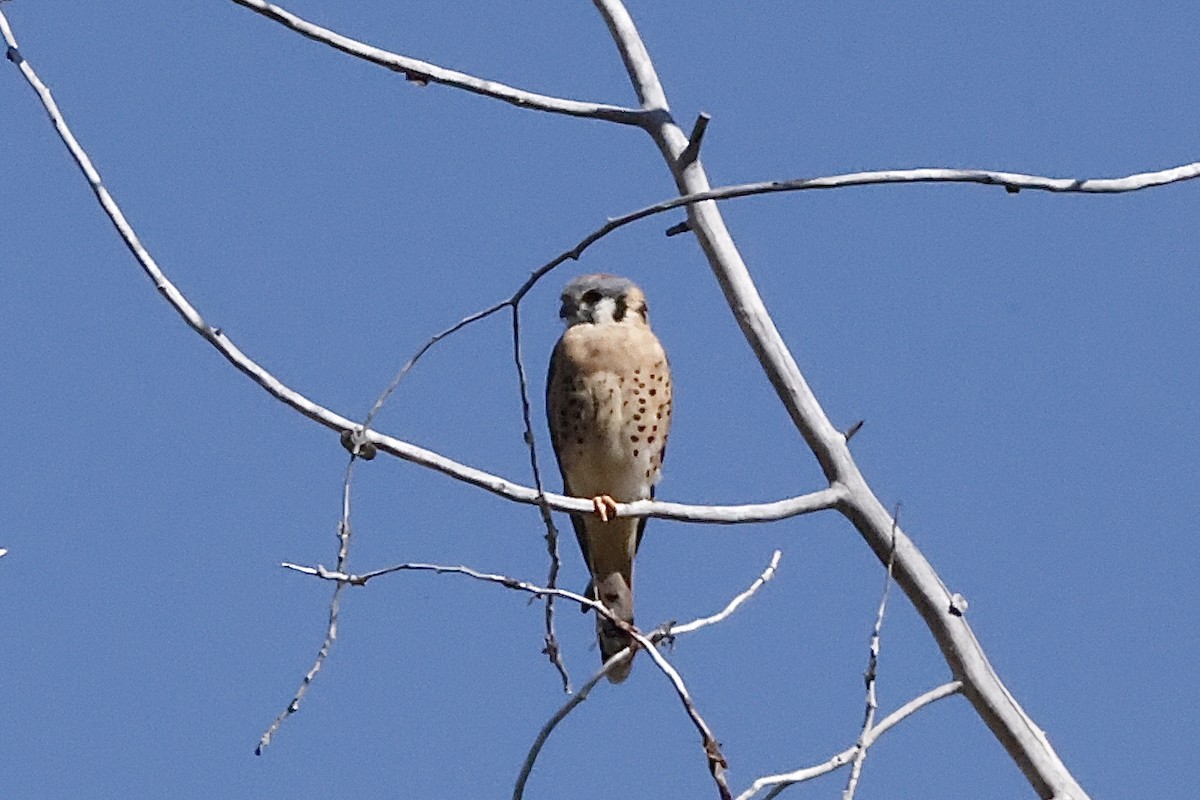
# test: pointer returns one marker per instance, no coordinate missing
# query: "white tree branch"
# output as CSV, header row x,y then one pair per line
x,y
848,490
544,734
734,604
782,781
424,72
870,677
331,628
1011,181
1024,741
757,512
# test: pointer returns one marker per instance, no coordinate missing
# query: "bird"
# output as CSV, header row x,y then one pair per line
x,y
608,406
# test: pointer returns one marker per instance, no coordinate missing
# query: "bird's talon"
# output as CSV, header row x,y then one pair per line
x,y
604,506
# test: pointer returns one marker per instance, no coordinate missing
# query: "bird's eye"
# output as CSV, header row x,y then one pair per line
x,y
591,297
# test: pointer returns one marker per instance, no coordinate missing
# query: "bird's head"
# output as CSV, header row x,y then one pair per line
x,y
603,299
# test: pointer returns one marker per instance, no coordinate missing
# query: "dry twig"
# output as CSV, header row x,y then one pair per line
x,y
778,783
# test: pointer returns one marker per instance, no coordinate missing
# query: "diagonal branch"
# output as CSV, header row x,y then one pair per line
x,y
424,72
782,781
734,604
1024,741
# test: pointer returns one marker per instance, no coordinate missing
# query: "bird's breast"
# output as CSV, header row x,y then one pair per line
x,y
609,405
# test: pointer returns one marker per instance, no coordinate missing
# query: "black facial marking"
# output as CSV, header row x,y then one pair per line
x,y
619,311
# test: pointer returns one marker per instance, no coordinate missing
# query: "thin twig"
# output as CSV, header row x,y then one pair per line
x,y
551,649
310,676
552,723
872,672
734,604
412,362
784,780
362,578
423,72
335,604
717,764
668,634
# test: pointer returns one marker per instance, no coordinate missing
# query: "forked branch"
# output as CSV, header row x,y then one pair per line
x,y
1023,740
778,783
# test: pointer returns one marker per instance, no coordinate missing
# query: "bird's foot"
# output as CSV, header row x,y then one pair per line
x,y
604,506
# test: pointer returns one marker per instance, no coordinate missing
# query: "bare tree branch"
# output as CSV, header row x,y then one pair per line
x,y
424,72
782,781
848,490
734,604
1023,740
712,749
335,605
870,676
1013,182
665,634
567,707
761,512
551,649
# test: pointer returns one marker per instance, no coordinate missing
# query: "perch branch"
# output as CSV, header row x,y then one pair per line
x,y
1016,731
424,72
761,512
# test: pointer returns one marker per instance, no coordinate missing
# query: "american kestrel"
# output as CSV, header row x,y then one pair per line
x,y
608,400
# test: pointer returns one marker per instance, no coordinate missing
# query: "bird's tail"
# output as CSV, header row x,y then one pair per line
x,y
617,595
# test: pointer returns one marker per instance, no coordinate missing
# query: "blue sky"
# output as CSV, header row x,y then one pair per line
x,y
1026,366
